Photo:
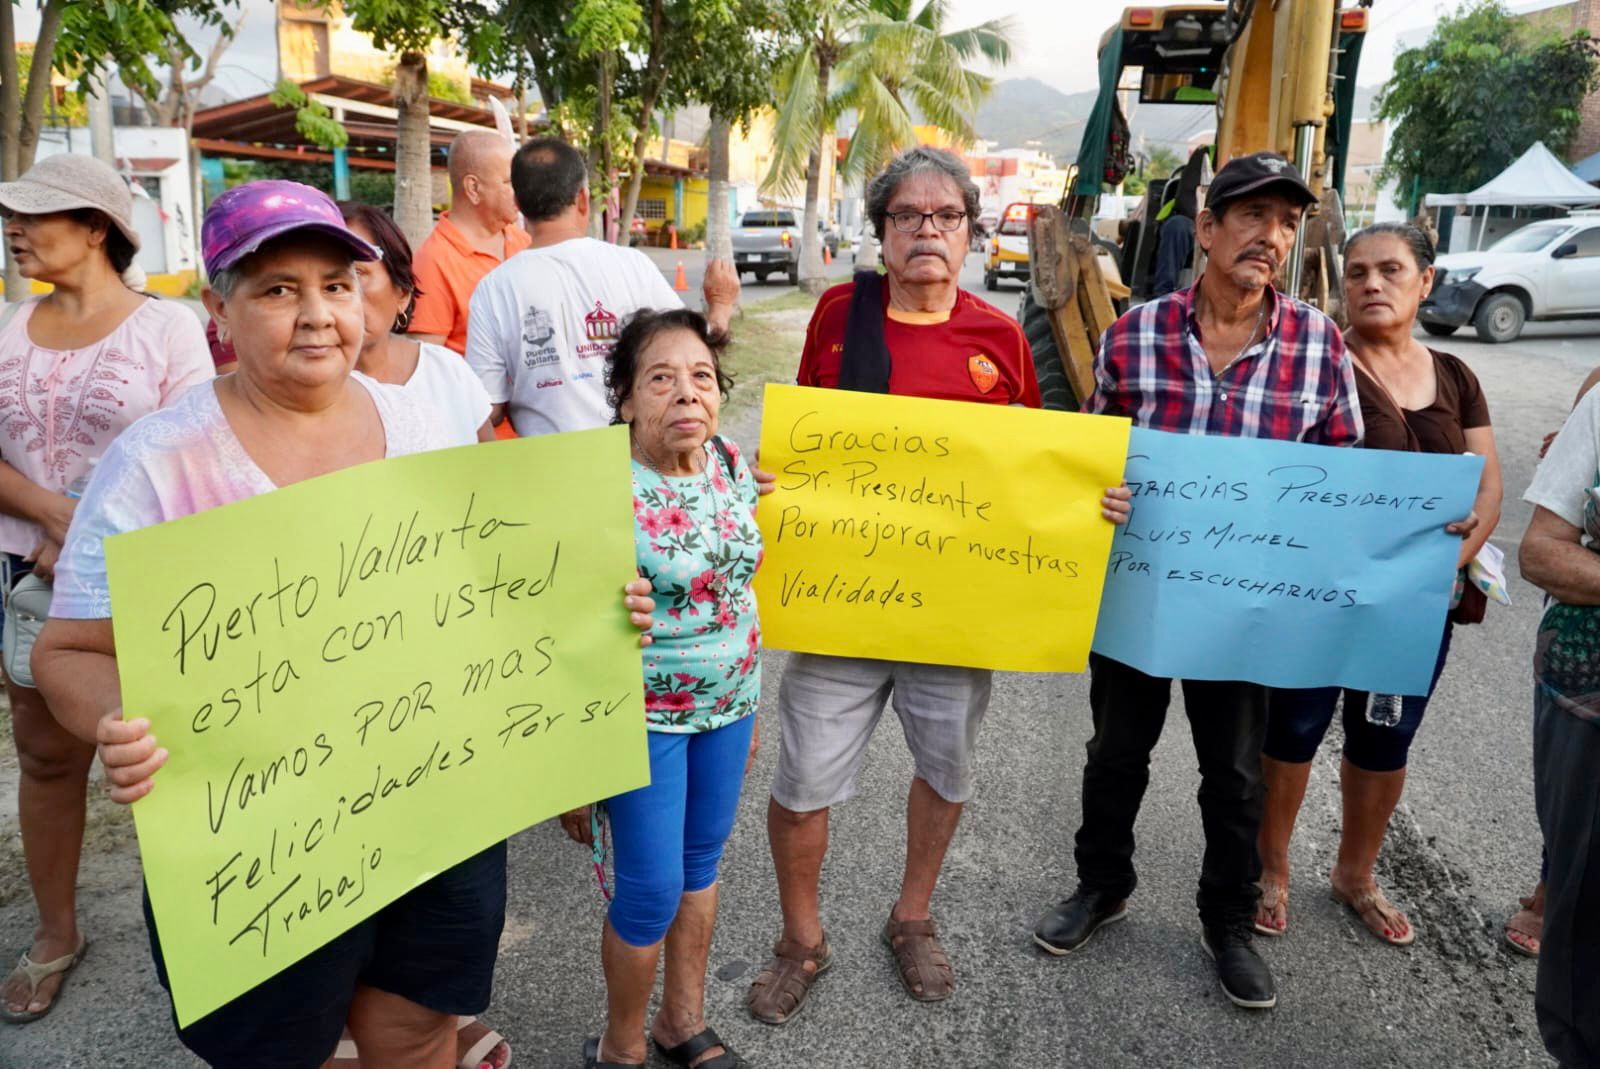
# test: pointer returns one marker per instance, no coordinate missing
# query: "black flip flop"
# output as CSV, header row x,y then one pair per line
x,y
591,1057
686,1052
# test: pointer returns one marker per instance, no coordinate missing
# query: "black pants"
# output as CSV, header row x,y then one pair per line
x,y
1228,721
1566,789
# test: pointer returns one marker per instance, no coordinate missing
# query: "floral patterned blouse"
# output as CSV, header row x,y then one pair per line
x,y
699,546
60,409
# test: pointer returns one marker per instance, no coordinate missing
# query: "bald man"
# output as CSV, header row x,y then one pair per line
x,y
476,235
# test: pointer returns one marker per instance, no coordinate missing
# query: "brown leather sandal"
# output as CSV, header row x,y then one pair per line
x,y
779,991
924,967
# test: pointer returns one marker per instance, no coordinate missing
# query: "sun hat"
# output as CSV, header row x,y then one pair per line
x,y
67,181
246,217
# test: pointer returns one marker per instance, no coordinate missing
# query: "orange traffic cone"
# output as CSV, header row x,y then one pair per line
x,y
827,255
681,282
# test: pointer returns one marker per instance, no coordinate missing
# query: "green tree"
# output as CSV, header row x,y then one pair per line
x,y
77,38
1482,89
1161,162
908,61
881,58
692,50
734,79
605,68
409,28
71,109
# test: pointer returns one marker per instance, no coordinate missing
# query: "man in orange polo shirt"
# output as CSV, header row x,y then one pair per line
x,y
477,235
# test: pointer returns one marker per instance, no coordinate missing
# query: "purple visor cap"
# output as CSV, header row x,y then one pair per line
x,y
246,217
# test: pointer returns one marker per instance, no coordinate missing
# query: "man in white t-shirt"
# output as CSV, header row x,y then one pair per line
x,y
541,325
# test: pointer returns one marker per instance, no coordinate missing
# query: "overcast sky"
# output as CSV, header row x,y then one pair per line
x,y
1057,38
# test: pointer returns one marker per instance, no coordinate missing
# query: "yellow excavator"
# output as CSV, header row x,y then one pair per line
x,y
1281,77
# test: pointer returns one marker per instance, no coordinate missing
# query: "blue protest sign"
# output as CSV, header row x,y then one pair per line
x,y
1282,563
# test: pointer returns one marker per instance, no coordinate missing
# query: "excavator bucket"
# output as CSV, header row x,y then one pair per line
x,y
1053,271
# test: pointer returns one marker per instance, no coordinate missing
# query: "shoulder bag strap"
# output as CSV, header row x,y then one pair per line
x,y
864,365
727,457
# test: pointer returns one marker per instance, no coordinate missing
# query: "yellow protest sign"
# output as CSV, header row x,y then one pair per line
x,y
943,532
366,678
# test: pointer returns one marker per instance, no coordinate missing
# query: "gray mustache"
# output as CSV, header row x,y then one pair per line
x,y
1263,254
928,248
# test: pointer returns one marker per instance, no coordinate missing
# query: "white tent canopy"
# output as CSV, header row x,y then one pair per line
x,y
1536,178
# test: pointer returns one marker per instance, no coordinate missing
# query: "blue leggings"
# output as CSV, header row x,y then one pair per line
x,y
1297,720
667,838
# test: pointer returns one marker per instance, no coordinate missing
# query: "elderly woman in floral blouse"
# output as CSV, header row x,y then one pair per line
x,y
694,499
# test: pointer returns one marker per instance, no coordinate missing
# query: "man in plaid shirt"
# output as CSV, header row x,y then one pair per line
x,y
1231,356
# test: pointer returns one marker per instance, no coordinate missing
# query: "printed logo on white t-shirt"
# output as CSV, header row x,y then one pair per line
x,y
601,325
602,328
538,333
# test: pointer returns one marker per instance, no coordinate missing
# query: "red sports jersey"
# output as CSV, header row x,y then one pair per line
x,y
974,352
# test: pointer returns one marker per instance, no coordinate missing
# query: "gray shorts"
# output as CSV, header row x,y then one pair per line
x,y
828,708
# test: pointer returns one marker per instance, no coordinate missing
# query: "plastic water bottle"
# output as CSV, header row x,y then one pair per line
x,y
1384,710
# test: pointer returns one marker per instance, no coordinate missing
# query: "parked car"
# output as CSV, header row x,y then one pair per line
x,y
983,228
767,242
831,237
866,240
1008,249
1546,270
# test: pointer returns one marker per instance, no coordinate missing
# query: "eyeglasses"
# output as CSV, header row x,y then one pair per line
x,y
911,222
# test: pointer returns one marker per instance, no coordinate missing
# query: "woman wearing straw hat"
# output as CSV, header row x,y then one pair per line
x,y
77,366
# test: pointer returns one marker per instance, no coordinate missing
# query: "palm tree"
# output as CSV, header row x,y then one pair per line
x,y
881,58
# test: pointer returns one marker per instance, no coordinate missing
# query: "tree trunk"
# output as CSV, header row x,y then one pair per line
x,y
413,177
20,118
719,232
812,280
653,79
630,199
10,99
600,154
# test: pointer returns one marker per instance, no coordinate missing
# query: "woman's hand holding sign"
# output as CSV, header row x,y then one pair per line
x,y
130,756
636,598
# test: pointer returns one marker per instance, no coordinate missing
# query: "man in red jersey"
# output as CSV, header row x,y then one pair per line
x,y
911,332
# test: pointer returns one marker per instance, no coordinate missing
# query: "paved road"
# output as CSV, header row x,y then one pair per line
x,y
753,292
1462,846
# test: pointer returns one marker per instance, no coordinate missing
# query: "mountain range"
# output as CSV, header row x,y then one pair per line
x,y
1023,110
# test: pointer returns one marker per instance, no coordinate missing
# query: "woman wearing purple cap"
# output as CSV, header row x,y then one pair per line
x,y
77,366
283,289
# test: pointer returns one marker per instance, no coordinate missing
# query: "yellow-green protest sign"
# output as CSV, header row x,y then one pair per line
x,y
943,532
366,678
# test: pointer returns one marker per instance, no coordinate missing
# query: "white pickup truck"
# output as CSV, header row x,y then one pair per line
x,y
1545,270
767,242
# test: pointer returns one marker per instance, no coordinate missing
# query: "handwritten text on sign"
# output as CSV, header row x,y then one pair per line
x,y
367,678
943,532
1282,563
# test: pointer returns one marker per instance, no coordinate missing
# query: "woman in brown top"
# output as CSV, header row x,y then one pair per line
x,y
1415,400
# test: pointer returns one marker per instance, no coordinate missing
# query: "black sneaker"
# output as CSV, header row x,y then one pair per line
x,y
1070,924
1245,978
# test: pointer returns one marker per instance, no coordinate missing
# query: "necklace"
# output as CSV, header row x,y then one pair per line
x,y
1251,337
720,581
